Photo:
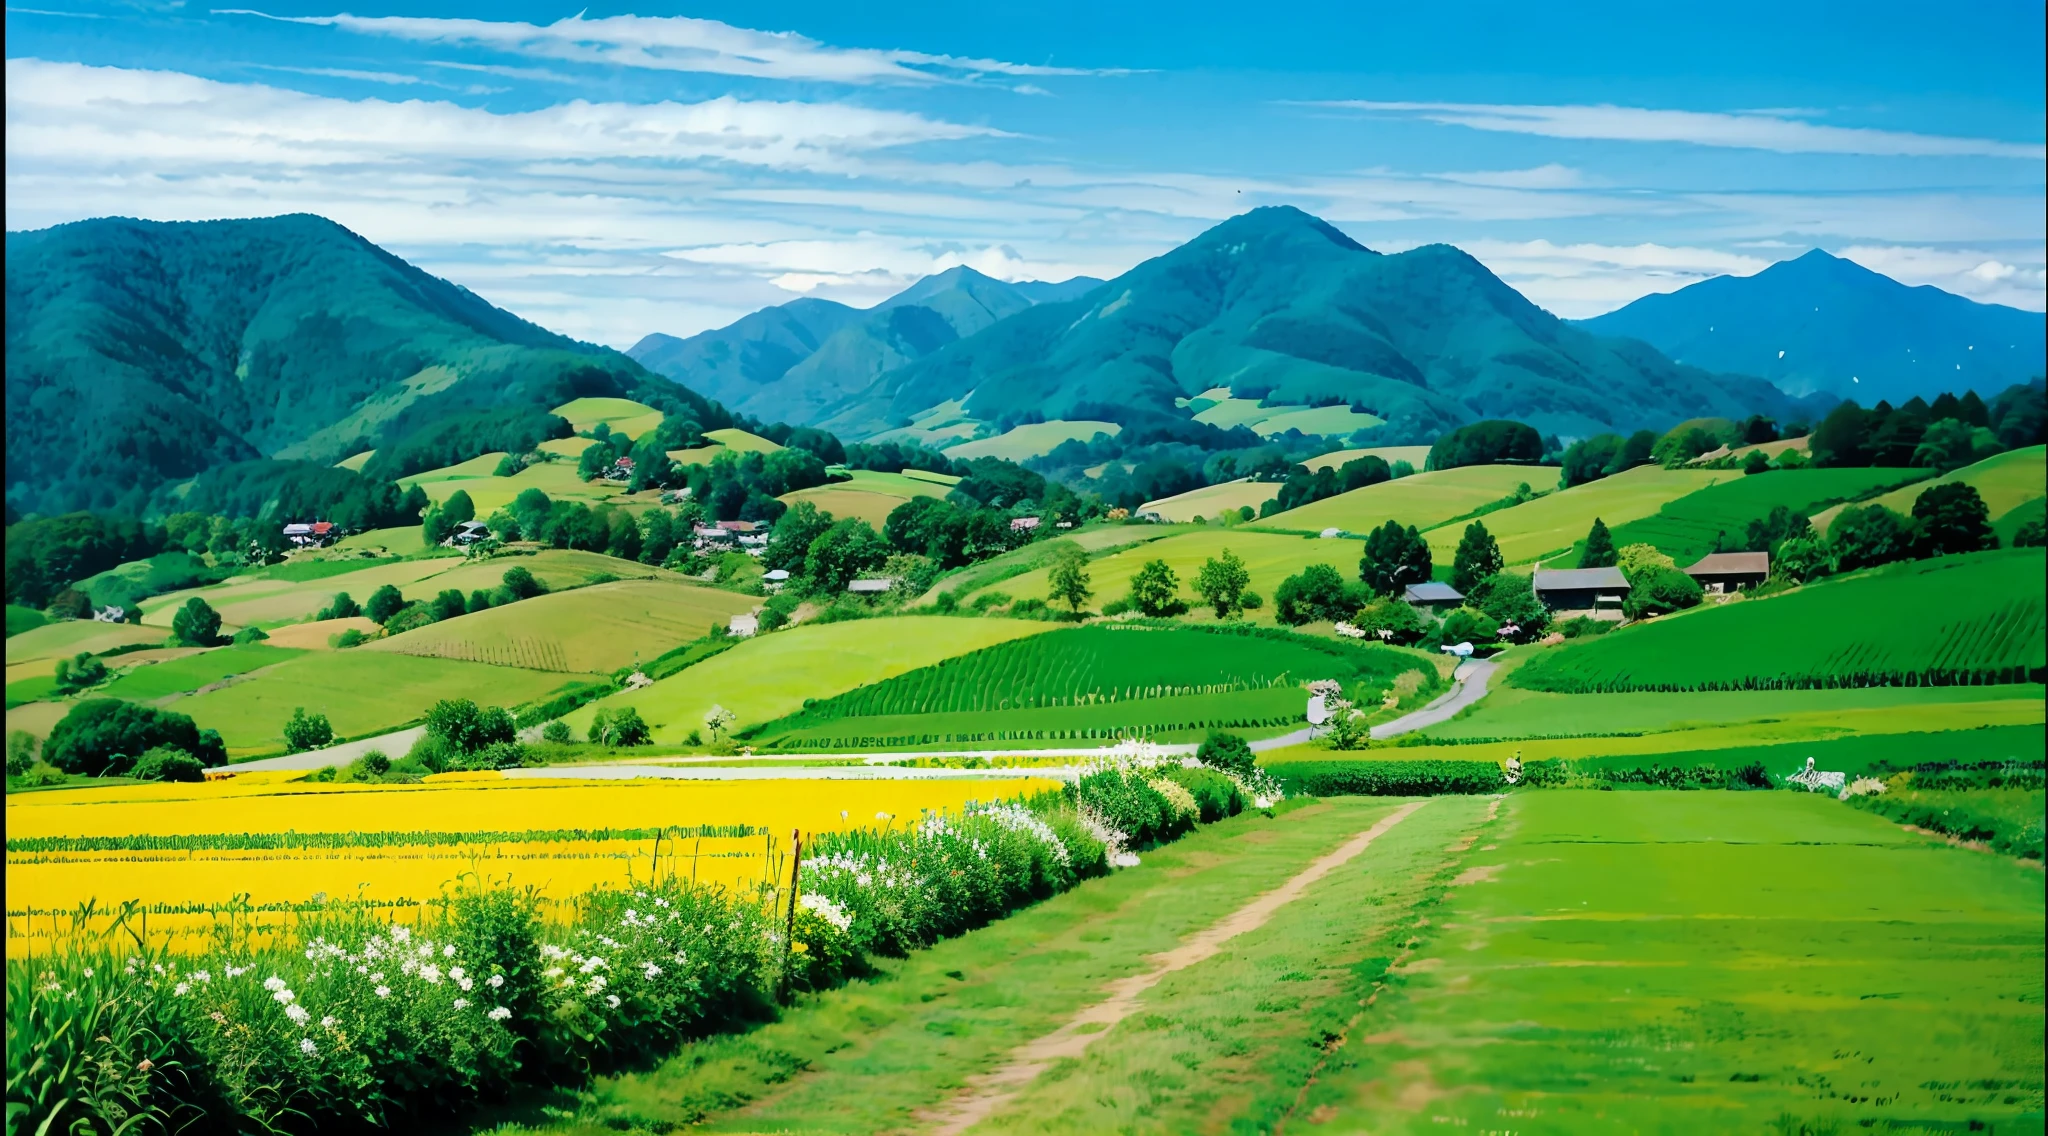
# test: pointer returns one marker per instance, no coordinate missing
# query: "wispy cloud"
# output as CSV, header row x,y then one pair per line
x,y
2017,278
682,43
1742,130
1586,279
389,77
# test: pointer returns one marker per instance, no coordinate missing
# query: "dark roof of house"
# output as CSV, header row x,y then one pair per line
x,y
1733,564
1574,579
1432,592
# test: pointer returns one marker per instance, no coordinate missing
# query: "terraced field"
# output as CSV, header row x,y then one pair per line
x,y
597,628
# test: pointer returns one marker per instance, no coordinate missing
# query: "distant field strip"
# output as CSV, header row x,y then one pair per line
x,y
285,841
1100,722
1953,621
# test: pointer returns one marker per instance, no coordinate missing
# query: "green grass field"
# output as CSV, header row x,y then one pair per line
x,y
67,637
183,675
361,692
771,675
1980,619
623,415
355,462
557,479
739,441
1269,557
2008,526
1424,500
598,628
1095,540
260,600
870,496
1210,500
1171,718
1031,439
2005,481
1729,962
1548,527
1686,529
1226,411
1336,459
1860,753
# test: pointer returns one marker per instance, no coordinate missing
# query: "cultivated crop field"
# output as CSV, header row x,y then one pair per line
x,y
1167,718
1211,500
1337,459
261,847
1423,500
1030,439
1687,528
1977,619
1553,523
767,677
597,628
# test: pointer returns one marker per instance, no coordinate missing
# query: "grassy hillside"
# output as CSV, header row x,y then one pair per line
x,y
361,692
1413,455
1031,439
490,493
1210,500
2005,481
1551,524
769,676
141,354
192,672
65,638
869,496
623,415
1096,541
1958,619
1169,719
1424,500
1219,407
598,628
246,602
1268,557
1687,528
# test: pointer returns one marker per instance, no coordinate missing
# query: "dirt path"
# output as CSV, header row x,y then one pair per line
x,y
988,1092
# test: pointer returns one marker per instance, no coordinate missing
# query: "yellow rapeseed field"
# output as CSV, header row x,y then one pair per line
x,y
187,887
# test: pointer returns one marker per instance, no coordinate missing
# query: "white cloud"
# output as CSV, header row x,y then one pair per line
x,y
114,118
2015,279
1580,280
1749,131
681,43
388,77
1550,176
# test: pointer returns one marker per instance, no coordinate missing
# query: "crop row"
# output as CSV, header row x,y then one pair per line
x,y
1837,680
293,841
1093,665
527,653
872,741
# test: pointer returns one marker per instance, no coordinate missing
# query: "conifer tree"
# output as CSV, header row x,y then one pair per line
x,y
1478,558
1600,551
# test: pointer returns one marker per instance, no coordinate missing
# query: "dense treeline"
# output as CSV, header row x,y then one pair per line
x,y
465,436
284,492
1948,433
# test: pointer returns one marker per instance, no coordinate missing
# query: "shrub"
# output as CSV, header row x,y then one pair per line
x,y
251,635
1155,590
1216,796
1465,625
21,752
350,637
620,727
1660,593
522,584
1130,804
463,728
164,763
105,735
556,732
411,618
342,606
1227,752
303,731
79,672
384,603
1316,593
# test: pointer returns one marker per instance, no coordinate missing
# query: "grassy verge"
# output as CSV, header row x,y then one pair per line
x,y
1708,962
868,1057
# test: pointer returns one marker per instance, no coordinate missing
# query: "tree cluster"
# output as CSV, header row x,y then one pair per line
x,y
1948,433
1490,442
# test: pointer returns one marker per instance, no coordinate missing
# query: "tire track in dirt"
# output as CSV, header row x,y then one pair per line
x,y
988,1092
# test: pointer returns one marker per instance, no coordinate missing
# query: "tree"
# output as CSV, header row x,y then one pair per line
x,y
384,603
165,763
842,554
1221,583
1317,592
1486,443
1467,625
1155,590
1638,449
196,624
448,604
1587,459
1951,444
520,584
303,731
1227,752
1636,561
1801,558
1660,591
1068,580
1868,536
1510,599
464,728
1599,547
1394,558
2032,534
556,732
718,720
620,727
79,672
1478,557
1755,462
1842,437
1391,621
342,606
1952,518
105,735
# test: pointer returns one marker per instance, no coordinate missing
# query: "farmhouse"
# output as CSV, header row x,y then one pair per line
x,y
1581,591
1432,597
621,470
314,535
1723,572
775,580
469,532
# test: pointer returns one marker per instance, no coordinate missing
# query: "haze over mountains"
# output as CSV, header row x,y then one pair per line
x,y
1822,323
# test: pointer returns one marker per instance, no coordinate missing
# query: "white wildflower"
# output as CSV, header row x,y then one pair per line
x,y
431,974
456,973
466,983
498,980
499,1014
448,951
827,910
297,1014
307,1047
462,1003
597,983
612,1000
383,992
88,972
327,1022
650,971
273,983
202,976
377,977
284,996
400,934
182,988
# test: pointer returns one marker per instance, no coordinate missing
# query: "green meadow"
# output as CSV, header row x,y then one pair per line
x,y
183,675
1423,500
1029,440
601,627
1269,558
1168,718
868,495
1552,523
2005,481
1690,527
1211,500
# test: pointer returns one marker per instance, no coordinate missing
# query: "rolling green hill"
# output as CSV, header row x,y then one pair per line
x,y
1280,307
1687,528
2005,481
1552,523
1423,500
142,353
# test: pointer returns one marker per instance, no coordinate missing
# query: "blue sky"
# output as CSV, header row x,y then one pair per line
x,y
617,171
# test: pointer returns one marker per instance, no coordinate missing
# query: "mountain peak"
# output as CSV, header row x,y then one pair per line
x,y
1269,222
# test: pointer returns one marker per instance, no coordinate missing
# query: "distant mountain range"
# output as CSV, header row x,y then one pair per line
x,y
141,353
792,362
1824,324
1275,305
